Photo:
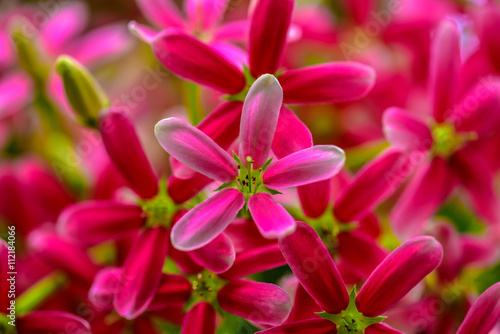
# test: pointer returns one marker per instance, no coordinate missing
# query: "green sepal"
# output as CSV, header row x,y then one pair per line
x,y
263,189
237,158
267,163
83,91
232,184
351,320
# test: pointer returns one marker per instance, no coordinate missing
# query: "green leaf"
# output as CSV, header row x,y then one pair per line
x,y
39,292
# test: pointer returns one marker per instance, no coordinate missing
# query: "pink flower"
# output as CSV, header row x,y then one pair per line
x,y
247,178
52,322
311,263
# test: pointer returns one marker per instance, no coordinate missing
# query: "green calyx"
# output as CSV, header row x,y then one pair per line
x,y
83,91
204,288
243,94
447,140
160,209
351,320
249,180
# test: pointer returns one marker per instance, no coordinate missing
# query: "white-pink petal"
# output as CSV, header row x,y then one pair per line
x,y
271,218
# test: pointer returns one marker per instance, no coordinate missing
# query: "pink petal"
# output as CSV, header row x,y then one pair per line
x,y
303,167
406,132
207,220
381,328
101,45
142,272
143,32
313,266
331,82
193,60
484,314
106,285
125,150
404,268
428,189
477,110
93,222
313,326
195,149
15,93
444,67
259,119
270,217
477,179
452,253
200,319
304,306
163,13
173,289
268,32
255,260
315,197
46,322
4,269
63,25
374,182
204,14
183,190
263,303
223,124
291,134
217,256
234,31
233,53
49,247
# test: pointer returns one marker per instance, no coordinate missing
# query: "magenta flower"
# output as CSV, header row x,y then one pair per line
x,y
484,313
443,154
311,263
247,178
52,322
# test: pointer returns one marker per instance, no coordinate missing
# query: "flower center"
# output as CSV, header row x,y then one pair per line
x,y
447,140
205,286
160,209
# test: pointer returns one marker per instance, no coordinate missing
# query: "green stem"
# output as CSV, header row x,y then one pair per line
x,y
40,292
192,101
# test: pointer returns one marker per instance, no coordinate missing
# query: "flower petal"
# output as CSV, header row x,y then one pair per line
x,y
207,220
332,82
193,60
477,110
404,268
263,303
270,217
143,32
200,319
162,13
381,328
315,197
204,14
106,284
314,326
374,182
173,289
303,167
4,288
182,190
255,260
477,179
444,67
484,313
428,189
313,266
259,119
217,256
15,91
291,134
405,131
125,150
268,32
142,272
223,124
52,322
95,221
195,149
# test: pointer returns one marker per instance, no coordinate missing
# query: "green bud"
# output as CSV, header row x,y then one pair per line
x,y
29,56
82,90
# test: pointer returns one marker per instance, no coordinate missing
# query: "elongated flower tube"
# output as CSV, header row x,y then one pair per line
x,y
118,132
484,313
248,177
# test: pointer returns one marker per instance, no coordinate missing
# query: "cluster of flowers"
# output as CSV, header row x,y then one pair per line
x,y
247,226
